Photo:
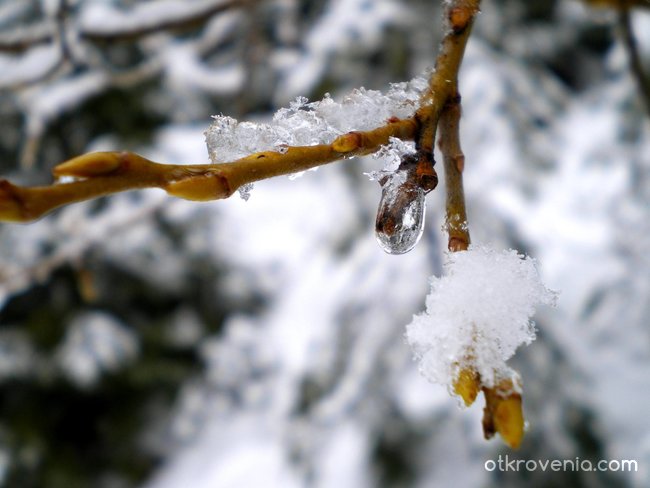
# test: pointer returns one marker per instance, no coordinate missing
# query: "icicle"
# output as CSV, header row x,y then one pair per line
x,y
400,218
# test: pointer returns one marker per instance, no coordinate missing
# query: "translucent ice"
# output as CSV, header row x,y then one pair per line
x,y
400,217
245,191
391,155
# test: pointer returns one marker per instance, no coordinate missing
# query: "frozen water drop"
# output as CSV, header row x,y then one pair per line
x,y
245,191
400,217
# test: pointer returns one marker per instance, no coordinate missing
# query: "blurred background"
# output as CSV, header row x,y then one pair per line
x,y
152,342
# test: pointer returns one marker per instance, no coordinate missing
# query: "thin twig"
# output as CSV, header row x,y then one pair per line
x,y
454,163
442,84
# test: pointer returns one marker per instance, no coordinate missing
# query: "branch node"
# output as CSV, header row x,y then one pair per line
x,y
460,162
459,18
457,244
426,174
209,186
348,142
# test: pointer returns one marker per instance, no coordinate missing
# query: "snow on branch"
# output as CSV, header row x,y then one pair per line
x,y
307,124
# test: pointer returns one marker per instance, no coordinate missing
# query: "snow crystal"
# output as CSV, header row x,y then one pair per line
x,y
391,156
306,123
477,315
245,191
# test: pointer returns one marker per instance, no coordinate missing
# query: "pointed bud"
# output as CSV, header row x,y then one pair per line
x,y
467,385
509,420
88,165
200,188
503,413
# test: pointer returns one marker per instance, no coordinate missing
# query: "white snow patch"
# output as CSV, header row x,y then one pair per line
x,y
477,314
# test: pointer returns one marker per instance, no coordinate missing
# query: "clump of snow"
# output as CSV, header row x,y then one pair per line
x,y
307,123
478,313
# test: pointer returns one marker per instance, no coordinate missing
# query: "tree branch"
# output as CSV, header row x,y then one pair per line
x,y
440,106
104,173
441,109
187,21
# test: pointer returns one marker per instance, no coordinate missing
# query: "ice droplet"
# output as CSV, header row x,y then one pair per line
x,y
245,191
400,217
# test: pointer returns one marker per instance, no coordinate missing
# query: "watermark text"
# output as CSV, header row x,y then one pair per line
x,y
504,463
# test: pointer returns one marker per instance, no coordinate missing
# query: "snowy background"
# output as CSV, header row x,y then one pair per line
x,y
147,341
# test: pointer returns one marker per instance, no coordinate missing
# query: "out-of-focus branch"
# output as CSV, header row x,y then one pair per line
x,y
104,173
625,25
19,40
642,78
172,22
618,3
